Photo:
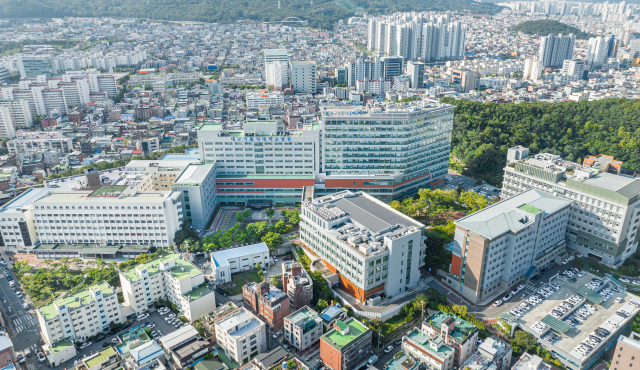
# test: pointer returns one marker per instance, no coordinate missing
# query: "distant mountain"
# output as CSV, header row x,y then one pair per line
x,y
319,13
545,27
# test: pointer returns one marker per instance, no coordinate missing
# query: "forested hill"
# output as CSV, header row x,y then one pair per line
x,y
544,27
319,13
482,132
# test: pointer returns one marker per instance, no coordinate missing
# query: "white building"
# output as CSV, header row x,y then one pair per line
x,y
81,315
303,328
198,186
103,83
164,173
109,215
17,224
555,49
574,68
230,261
242,335
303,77
20,113
387,260
264,98
432,350
532,69
32,141
7,131
168,277
606,212
277,74
597,50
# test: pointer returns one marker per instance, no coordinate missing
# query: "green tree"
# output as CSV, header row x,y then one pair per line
x,y
525,341
270,212
239,217
322,304
272,239
246,213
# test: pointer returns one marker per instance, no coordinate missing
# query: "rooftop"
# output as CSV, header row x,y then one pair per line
x,y
512,214
74,301
60,345
179,336
335,339
222,258
198,292
181,270
462,330
25,199
131,339
239,323
100,357
384,109
443,350
303,316
194,174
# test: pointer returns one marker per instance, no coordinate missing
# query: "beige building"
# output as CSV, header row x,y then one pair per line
x,y
303,328
627,352
242,335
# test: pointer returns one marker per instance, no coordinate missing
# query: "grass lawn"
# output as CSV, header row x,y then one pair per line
x,y
243,278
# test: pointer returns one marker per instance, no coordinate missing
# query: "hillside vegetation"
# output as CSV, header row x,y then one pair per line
x,y
544,27
319,13
482,132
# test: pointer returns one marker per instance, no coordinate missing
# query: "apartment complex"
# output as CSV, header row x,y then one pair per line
x,y
431,351
268,302
555,49
605,214
627,352
19,112
264,98
374,248
303,77
507,242
454,332
303,328
297,284
168,277
227,262
241,334
80,315
347,345
32,141
111,214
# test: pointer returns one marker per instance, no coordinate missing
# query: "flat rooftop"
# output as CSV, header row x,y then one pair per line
x,y
101,357
222,258
242,316
182,269
305,313
462,330
573,337
25,199
335,339
416,335
511,214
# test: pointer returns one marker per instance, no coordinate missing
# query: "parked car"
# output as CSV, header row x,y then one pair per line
x,y
12,284
287,258
21,358
25,306
277,334
27,352
115,340
41,357
398,342
106,344
388,349
85,345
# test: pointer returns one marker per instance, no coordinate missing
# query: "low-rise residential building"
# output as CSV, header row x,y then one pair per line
x,y
79,316
273,359
347,345
242,335
531,362
143,356
493,354
58,352
184,347
7,354
168,277
332,314
627,352
297,284
268,302
455,332
303,328
431,351
264,98
104,359
230,261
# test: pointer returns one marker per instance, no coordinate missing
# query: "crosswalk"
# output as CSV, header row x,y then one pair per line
x,y
24,322
428,279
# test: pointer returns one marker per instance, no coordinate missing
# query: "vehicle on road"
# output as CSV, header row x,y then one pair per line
x,y
41,357
25,306
106,344
27,352
277,334
287,258
397,342
373,359
115,340
85,345
388,349
12,284
497,303
21,358
275,259
142,317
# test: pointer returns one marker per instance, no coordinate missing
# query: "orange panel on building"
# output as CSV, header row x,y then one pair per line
x,y
456,263
330,356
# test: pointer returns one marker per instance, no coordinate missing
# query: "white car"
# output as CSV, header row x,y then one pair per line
x,y
25,306
388,349
142,317
275,259
12,283
277,334
85,345
497,303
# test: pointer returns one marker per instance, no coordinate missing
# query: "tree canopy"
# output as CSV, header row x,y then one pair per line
x,y
482,132
544,27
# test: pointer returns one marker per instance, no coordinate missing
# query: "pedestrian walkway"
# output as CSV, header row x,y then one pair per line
x,y
21,323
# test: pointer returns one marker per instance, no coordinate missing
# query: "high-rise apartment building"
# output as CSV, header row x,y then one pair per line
x,y
500,245
605,216
169,278
467,79
32,141
555,49
387,260
20,113
574,68
532,69
417,36
7,131
276,63
303,77
103,83
597,51
415,71
264,98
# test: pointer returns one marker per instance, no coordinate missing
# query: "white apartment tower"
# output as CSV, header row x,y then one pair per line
x,y
20,113
7,131
279,70
532,69
303,77
555,49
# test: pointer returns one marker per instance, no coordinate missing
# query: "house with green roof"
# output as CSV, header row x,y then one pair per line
x,y
80,315
169,277
60,351
448,329
429,350
347,345
303,328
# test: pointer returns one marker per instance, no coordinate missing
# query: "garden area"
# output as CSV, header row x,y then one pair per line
x,y
240,279
266,231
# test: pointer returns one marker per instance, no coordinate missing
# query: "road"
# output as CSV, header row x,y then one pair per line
x,y
22,326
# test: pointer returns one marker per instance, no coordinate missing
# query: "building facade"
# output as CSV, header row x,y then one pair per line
x,y
297,284
454,332
347,345
268,302
303,328
242,335
627,352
